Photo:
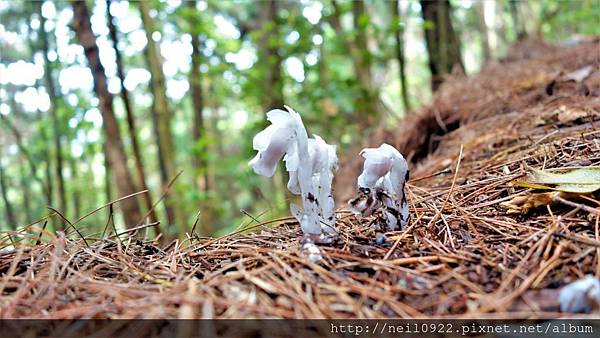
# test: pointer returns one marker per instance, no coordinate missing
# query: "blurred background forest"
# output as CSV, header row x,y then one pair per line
x,y
102,99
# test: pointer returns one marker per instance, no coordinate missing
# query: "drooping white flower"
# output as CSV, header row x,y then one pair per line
x,y
376,166
381,185
274,142
324,163
310,163
580,296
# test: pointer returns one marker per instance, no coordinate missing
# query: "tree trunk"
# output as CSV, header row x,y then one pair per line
x,y
500,29
269,48
227,185
21,146
368,104
273,83
75,192
46,181
195,79
56,125
26,190
131,124
360,38
372,110
483,30
518,25
443,45
10,214
107,175
327,104
199,128
162,122
49,182
399,36
114,144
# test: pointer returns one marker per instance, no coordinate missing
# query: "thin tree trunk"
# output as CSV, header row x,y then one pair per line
x,y
26,190
46,181
219,149
273,83
368,105
198,128
399,36
500,29
162,122
360,38
443,45
214,133
10,214
56,125
518,25
114,144
107,175
483,30
54,223
131,124
49,186
195,79
19,141
326,102
75,192
269,49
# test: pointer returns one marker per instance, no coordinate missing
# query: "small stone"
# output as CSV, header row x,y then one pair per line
x,y
313,252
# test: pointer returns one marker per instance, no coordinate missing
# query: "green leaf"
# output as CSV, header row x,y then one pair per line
x,y
363,21
427,24
582,181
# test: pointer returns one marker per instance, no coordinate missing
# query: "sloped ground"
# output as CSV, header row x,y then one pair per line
x,y
461,256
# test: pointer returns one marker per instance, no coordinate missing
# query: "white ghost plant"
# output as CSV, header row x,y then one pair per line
x,y
381,185
322,163
582,295
310,163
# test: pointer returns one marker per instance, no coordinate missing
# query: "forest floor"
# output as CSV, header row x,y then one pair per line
x,y
462,255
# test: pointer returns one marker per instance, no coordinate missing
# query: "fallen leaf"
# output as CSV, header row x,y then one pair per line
x,y
566,115
581,181
579,74
522,204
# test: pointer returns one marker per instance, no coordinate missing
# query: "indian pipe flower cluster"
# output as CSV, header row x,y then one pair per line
x,y
381,186
311,163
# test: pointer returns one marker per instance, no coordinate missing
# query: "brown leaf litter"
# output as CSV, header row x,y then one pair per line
x,y
462,254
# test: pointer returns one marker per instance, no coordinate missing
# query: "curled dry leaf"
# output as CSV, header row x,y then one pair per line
x,y
579,74
568,187
522,204
567,114
573,81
